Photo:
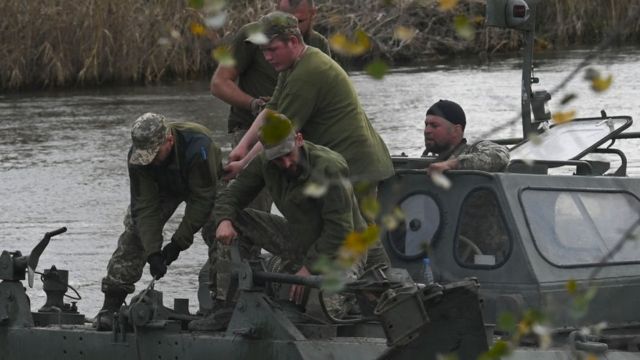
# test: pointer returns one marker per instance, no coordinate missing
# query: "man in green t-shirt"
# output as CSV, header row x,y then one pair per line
x,y
248,84
317,95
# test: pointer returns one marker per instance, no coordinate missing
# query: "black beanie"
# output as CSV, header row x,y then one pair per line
x,y
449,111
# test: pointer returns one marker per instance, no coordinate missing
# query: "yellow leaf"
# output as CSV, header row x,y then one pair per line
x,y
343,45
571,286
592,357
563,117
223,55
197,29
404,33
600,84
524,327
355,243
446,5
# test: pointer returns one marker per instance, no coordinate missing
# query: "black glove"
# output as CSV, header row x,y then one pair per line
x,y
170,252
157,266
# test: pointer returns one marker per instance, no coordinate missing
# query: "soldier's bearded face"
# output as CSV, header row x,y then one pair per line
x,y
290,162
438,134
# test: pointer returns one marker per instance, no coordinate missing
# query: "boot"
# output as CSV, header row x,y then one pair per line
x,y
112,303
216,321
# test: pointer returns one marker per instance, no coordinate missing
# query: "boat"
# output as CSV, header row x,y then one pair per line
x,y
547,269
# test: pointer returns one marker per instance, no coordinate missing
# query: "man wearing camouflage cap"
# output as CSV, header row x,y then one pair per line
x,y
168,163
310,228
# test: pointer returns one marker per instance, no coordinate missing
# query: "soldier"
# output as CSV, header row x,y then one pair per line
x,y
317,95
247,86
169,163
309,228
444,138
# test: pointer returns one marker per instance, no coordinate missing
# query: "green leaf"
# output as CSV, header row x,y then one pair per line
x,y
507,322
276,128
464,27
499,349
196,4
572,287
377,69
370,207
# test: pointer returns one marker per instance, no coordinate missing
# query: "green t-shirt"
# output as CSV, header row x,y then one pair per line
x,y
317,95
256,76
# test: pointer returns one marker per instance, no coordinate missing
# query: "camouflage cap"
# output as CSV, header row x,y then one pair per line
x,y
148,133
277,135
276,23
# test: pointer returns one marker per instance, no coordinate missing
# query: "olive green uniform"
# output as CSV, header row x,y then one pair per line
x,y
311,227
318,97
256,76
188,175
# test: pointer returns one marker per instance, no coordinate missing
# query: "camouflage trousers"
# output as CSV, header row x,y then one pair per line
x,y
128,260
271,232
376,254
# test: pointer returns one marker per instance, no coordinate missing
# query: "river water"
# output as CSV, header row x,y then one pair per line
x,y
63,154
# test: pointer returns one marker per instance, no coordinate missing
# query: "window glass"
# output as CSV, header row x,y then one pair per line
x,y
416,232
582,227
482,238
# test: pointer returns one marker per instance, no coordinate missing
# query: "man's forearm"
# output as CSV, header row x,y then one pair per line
x,y
229,92
250,138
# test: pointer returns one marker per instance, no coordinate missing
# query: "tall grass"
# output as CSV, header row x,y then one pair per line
x,y
47,43
53,43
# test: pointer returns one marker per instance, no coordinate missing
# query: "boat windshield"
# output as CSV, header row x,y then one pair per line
x,y
574,228
570,140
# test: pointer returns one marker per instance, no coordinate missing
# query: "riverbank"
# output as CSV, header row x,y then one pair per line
x,y
97,42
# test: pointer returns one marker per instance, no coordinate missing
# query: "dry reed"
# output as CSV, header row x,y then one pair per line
x,y
46,43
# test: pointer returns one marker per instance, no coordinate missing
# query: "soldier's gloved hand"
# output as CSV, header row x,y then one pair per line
x,y
170,252
157,266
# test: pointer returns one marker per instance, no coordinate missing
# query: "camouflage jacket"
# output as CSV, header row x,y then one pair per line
x,y
483,155
318,224
189,174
